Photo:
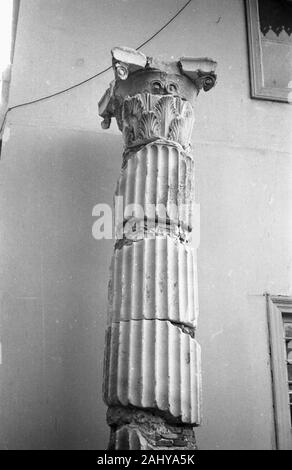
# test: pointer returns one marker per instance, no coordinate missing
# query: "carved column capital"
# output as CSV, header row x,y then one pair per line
x,y
152,99
152,373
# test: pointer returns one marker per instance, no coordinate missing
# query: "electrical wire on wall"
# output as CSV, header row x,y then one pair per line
x,y
98,74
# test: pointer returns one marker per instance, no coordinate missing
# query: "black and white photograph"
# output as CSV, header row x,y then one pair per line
x,y
145,228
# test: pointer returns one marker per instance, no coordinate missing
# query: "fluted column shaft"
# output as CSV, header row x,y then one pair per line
x,y
152,373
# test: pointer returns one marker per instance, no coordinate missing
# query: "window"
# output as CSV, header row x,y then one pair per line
x,y
269,27
280,328
288,342
8,21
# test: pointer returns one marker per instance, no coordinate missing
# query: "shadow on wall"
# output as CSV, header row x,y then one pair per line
x,y
55,277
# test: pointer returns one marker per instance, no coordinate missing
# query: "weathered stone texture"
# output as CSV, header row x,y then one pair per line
x,y
160,174
153,364
154,278
144,430
152,373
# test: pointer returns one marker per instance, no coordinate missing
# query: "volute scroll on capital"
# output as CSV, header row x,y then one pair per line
x,y
153,99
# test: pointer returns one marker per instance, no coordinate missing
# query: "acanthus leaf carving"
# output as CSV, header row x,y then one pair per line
x,y
132,111
147,116
149,126
133,107
174,132
166,111
152,358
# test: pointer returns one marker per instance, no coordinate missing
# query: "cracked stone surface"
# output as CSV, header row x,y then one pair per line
x,y
152,371
145,430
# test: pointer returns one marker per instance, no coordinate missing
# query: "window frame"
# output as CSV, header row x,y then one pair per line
x,y
278,307
258,89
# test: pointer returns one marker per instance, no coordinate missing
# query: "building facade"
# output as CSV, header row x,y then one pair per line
x,y
57,164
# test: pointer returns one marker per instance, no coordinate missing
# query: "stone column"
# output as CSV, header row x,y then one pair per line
x,y
152,372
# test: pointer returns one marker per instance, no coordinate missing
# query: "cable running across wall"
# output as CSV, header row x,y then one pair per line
x,y
37,100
